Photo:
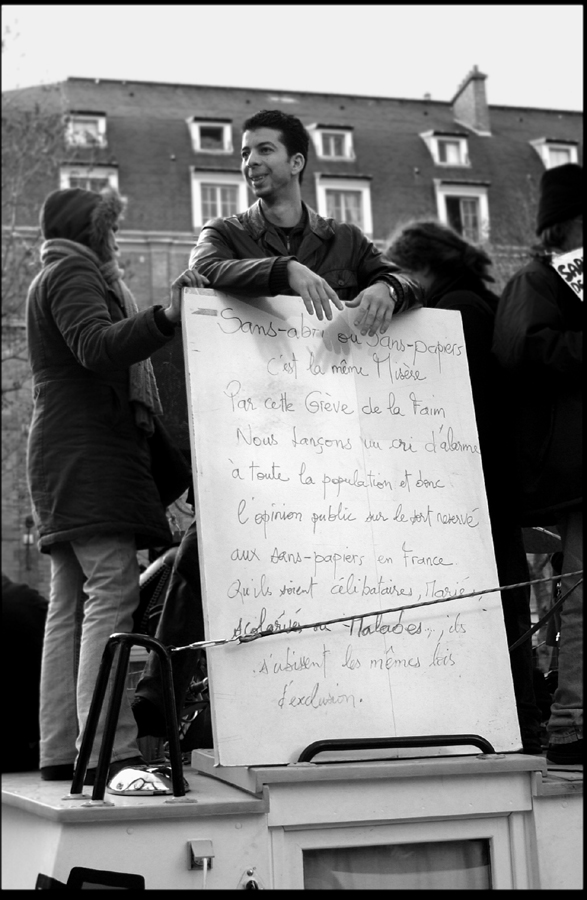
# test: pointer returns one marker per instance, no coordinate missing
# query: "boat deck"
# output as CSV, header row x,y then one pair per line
x,y
252,820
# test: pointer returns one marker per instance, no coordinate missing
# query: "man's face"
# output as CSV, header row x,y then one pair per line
x,y
265,163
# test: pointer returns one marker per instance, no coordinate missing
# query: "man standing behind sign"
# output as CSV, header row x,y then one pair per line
x,y
278,246
281,246
538,337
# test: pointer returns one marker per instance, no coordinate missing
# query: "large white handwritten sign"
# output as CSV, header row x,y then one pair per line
x,y
339,475
570,267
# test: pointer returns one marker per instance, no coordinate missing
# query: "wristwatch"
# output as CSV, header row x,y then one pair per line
x,y
392,291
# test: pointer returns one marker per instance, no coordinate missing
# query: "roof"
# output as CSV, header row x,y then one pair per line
x,y
149,139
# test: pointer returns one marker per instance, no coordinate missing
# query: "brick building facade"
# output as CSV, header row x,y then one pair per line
x,y
174,152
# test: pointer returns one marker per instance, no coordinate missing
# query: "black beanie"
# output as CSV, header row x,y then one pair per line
x,y
68,214
561,196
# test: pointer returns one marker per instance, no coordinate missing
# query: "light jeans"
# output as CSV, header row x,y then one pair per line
x,y
566,712
94,592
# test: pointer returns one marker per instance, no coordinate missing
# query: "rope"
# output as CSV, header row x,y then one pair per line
x,y
528,634
243,639
546,531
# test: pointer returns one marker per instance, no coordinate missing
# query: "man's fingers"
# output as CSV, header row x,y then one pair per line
x,y
317,300
365,322
333,296
311,303
352,304
387,317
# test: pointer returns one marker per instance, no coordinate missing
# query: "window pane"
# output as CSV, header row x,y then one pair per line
x,y
332,144
84,131
218,200
229,200
208,202
463,216
211,137
453,214
438,865
87,183
333,204
449,152
559,157
470,218
345,206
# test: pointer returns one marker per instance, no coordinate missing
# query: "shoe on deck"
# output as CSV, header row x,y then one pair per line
x,y
570,754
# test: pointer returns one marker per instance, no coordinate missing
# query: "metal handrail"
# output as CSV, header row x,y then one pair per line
x,y
126,641
436,740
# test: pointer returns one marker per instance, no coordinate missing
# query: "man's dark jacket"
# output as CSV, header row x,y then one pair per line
x,y
245,254
539,339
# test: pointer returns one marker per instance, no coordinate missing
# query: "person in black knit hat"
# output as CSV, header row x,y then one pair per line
x,y
538,338
561,197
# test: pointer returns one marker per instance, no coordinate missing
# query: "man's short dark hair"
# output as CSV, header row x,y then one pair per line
x,y
293,134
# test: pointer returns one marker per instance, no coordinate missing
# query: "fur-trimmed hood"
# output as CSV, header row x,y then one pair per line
x,y
82,216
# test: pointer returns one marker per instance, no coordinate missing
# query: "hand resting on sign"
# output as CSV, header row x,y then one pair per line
x,y
315,292
375,309
188,278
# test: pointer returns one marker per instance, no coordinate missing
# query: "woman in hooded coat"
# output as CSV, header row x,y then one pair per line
x,y
453,274
94,497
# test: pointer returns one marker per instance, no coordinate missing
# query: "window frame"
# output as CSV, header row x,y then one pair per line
x,y
195,124
317,133
289,848
87,170
337,183
433,139
544,145
224,178
444,189
75,118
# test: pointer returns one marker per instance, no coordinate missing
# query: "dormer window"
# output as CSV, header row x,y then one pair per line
x,y
332,141
555,152
447,148
211,135
464,207
88,177
86,129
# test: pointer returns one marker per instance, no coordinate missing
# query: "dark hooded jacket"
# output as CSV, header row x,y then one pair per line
x,y
89,465
477,306
539,341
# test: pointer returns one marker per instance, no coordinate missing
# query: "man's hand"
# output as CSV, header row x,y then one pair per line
x,y
376,309
314,291
189,278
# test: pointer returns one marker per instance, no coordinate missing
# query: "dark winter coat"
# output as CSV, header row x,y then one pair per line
x,y
539,339
477,305
239,254
89,464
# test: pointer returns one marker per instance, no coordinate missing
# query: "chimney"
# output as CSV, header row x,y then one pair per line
x,y
469,104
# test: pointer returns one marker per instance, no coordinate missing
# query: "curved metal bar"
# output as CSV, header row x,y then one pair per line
x,y
436,740
126,641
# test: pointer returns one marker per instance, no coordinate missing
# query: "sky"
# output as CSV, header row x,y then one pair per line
x,y
532,55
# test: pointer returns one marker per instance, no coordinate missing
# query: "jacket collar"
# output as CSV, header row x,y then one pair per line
x,y
256,223
463,282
